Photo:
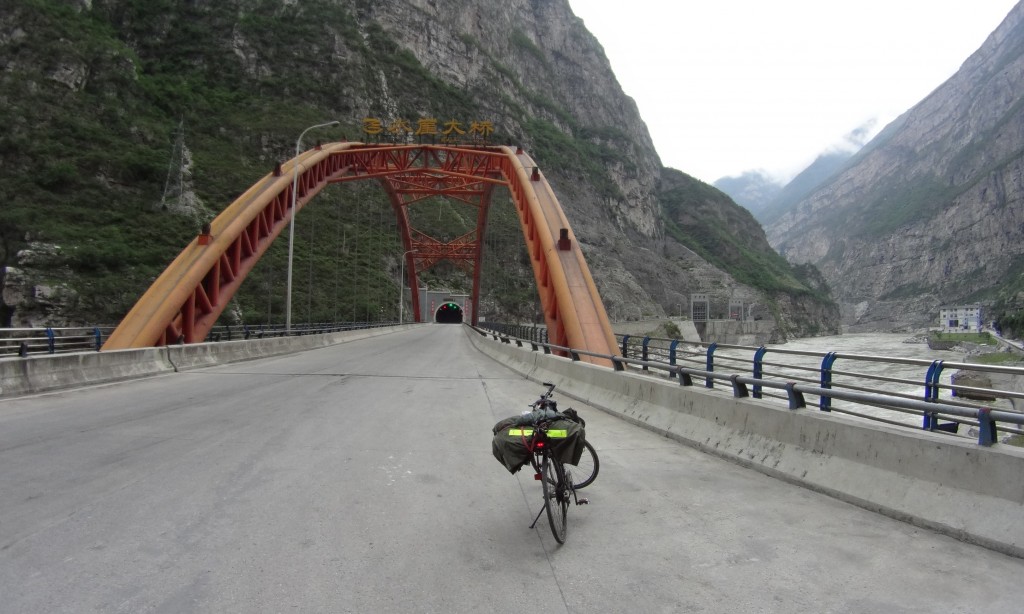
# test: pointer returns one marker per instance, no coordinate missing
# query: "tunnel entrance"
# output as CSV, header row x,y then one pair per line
x,y
448,313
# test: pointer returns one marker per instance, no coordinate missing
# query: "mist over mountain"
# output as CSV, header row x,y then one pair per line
x,y
767,198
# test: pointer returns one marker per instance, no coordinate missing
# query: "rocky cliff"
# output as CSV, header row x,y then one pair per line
x,y
103,94
930,212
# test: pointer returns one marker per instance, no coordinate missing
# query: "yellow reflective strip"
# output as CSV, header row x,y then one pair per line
x,y
521,432
558,433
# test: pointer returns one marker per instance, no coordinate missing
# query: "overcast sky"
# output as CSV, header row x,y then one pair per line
x,y
727,86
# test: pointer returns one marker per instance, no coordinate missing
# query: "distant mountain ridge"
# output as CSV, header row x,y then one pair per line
x,y
800,187
752,190
931,211
768,199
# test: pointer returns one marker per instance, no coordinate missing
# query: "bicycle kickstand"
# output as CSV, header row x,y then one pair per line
x,y
538,516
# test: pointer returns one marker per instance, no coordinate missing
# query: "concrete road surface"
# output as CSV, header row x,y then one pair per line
x,y
359,478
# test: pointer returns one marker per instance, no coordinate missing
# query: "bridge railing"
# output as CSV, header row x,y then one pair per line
x,y
743,371
28,341
528,332
264,331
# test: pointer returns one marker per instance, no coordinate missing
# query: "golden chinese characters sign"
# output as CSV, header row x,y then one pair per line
x,y
428,128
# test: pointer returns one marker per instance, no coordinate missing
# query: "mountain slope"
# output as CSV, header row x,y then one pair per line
x,y
930,212
131,123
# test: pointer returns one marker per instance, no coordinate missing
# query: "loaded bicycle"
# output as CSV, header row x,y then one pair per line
x,y
585,471
555,446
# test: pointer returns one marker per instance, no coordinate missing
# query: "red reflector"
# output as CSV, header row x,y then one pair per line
x,y
540,444
536,476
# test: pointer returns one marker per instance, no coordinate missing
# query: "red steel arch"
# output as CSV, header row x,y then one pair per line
x,y
185,301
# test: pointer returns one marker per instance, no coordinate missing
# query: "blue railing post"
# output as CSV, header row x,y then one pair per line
x,y
759,369
708,381
986,427
824,402
931,392
672,357
643,355
51,341
99,337
931,383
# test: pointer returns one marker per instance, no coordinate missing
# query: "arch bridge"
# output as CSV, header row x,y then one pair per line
x,y
183,304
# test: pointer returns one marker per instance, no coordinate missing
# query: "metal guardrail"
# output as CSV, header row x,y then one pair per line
x,y
537,334
24,342
792,381
264,331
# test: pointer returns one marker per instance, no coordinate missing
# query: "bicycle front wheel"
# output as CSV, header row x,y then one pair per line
x,y
557,492
584,472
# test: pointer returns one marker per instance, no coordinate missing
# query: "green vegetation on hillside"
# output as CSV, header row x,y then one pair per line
x,y
701,218
895,207
978,338
88,162
1007,300
999,358
1011,323
696,216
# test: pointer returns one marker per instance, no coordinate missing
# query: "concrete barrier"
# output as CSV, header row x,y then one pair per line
x,y
198,355
47,373
44,373
933,480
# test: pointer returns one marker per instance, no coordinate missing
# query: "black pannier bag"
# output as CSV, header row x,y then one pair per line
x,y
513,436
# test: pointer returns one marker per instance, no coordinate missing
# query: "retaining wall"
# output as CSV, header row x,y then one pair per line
x,y
937,481
50,372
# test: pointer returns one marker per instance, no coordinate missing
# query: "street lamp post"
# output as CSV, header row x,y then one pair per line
x,y
291,223
401,288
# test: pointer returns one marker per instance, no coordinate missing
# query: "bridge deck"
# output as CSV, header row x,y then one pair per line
x,y
359,478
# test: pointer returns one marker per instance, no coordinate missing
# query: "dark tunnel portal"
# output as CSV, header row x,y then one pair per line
x,y
448,313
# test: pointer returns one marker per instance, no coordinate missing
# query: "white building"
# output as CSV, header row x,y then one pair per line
x,y
962,319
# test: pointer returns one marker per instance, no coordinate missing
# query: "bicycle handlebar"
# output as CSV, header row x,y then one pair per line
x,y
544,398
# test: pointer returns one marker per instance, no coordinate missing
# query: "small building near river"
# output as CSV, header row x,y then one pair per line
x,y
961,319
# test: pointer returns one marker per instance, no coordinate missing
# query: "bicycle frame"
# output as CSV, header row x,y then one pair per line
x,y
556,482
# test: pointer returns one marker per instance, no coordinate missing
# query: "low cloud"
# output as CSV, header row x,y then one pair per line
x,y
858,137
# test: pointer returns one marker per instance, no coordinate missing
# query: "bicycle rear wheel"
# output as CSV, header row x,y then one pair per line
x,y
556,496
584,472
